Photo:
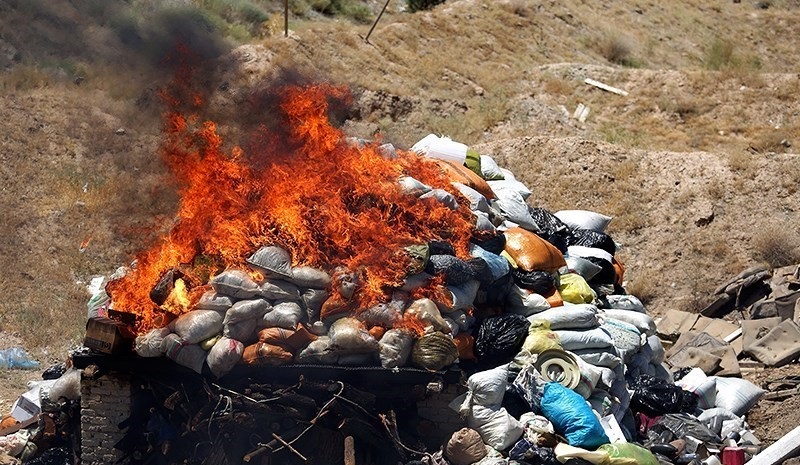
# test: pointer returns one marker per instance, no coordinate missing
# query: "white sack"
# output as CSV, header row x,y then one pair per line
x,y
584,219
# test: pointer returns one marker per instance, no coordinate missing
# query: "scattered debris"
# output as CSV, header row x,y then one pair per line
x,y
605,87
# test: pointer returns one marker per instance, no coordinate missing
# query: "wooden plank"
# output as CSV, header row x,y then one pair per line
x,y
730,337
349,451
606,87
779,451
781,394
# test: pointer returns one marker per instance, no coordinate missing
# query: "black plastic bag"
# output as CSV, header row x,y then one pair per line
x,y
53,456
455,270
552,229
589,238
655,397
55,371
680,373
684,424
500,338
494,243
441,248
540,282
480,270
607,275
496,292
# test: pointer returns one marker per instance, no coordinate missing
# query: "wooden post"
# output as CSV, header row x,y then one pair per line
x,y
286,18
349,451
366,39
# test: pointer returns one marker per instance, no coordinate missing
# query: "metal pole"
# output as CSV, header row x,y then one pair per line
x,y
285,18
366,39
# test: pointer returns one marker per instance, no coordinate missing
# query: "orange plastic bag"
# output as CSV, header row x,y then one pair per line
x,y
377,332
554,298
619,267
465,344
532,253
262,353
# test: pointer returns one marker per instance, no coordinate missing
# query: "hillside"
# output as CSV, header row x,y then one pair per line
x,y
697,163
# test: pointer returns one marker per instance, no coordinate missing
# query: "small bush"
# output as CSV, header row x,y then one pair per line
x,y
618,49
741,162
420,5
777,245
722,55
348,8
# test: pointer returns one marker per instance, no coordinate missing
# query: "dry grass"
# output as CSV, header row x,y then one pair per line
x,y
776,244
643,283
618,48
741,162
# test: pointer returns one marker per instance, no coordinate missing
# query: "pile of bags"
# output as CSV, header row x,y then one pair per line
x,y
567,364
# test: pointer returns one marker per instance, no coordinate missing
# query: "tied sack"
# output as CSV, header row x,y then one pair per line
x,y
532,253
465,447
224,355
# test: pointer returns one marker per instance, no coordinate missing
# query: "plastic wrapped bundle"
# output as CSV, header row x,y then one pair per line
x,y
434,351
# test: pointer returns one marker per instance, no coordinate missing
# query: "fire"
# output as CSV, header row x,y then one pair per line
x,y
329,202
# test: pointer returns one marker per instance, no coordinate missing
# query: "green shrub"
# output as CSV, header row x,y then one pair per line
x,y
419,5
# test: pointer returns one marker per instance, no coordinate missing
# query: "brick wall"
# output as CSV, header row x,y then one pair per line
x,y
435,407
105,402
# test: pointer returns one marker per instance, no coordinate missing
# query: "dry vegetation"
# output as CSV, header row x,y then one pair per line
x,y
709,126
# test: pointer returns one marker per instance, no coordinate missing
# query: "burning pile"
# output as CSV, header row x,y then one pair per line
x,y
311,248
315,248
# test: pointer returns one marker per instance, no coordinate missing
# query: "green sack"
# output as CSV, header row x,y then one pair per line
x,y
473,162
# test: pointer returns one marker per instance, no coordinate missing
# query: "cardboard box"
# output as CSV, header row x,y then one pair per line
x,y
108,336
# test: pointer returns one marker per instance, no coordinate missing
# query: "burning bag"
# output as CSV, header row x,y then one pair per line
x,y
276,289
385,315
308,277
273,261
428,313
213,301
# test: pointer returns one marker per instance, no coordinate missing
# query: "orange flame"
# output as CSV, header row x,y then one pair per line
x,y
328,202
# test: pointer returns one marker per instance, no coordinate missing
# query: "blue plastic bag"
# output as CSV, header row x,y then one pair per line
x,y
16,357
572,417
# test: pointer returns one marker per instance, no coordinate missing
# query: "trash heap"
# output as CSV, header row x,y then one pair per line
x,y
560,363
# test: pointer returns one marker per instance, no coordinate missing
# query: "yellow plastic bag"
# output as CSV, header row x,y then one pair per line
x,y
574,289
540,337
626,453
